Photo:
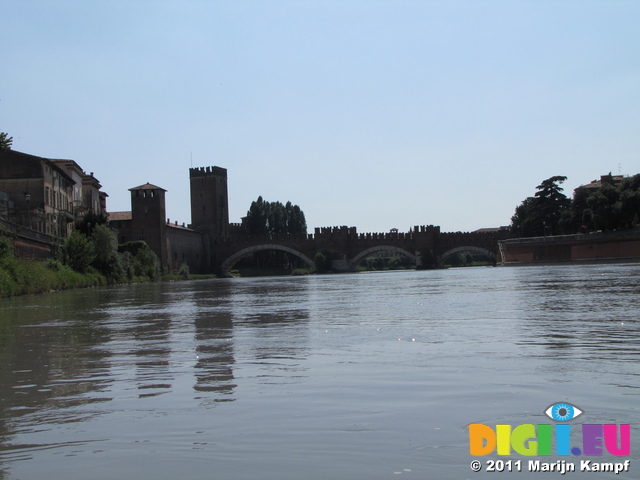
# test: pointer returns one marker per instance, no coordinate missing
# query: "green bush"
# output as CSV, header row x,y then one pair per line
x,y
322,261
20,277
79,252
6,246
127,261
53,264
146,263
107,259
183,271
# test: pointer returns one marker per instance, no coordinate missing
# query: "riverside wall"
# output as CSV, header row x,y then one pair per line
x,y
583,248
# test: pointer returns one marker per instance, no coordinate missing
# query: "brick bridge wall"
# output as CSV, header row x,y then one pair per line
x,y
481,242
347,247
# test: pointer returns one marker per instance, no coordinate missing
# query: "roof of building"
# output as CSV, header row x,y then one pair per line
x,y
21,156
70,164
147,186
180,227
610,179
91,180
115,216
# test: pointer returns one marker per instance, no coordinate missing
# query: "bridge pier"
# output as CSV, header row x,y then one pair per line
x,y
341,266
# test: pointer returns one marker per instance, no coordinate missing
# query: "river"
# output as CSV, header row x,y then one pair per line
x,y
354,376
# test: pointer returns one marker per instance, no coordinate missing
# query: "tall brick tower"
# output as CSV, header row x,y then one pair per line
x,y
209,202
210,210
148,219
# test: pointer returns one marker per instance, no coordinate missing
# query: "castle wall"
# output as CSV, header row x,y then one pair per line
x,y
184,246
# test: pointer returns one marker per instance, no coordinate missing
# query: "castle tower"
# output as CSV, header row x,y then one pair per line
x,y
209,202
148,219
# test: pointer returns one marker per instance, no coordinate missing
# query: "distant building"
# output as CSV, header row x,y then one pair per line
x,y
614,180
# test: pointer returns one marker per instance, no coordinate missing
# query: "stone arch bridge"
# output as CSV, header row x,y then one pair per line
x,y
347,248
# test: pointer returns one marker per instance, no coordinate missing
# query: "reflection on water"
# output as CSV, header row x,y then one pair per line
x,y
349,376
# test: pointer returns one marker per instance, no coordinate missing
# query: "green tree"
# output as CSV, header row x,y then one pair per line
x,y
524,222
139,260
146,263
603,207
79,252
274,217
89,221
5,141
629,202
322,262
107,260
541,214
607,207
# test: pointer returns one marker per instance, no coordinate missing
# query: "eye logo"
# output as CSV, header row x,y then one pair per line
x,y
563,412
530,440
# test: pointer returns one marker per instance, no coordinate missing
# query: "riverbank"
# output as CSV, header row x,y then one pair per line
x,y
27,277
598,247
24,277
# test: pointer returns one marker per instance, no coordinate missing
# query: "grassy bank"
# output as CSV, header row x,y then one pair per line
x,y
23,277
85,265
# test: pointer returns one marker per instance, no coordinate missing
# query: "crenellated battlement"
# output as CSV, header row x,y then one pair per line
x,y
352,232
207,172
343,230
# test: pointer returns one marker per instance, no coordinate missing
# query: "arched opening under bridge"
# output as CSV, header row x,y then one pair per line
x,y
383,257
230,262
467,256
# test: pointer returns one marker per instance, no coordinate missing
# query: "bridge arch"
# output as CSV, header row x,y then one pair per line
x,y
353,263
245,252
468,248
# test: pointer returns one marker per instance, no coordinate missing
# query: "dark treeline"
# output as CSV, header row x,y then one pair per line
x,y
611,206
274,217
265,218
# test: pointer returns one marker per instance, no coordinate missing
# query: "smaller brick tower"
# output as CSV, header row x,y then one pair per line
x,y
148,215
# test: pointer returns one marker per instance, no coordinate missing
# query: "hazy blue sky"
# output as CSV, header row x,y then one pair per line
x,y
377,114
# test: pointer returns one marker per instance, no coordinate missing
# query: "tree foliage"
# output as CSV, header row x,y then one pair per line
x,y
98,252
268,218
79,252
107,260
607,207
5,141
139,260
273,217
89,221
540,215
322,261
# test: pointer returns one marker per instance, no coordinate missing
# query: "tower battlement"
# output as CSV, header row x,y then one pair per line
x,y
207,172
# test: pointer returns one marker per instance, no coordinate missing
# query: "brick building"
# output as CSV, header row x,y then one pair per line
x,y
175,245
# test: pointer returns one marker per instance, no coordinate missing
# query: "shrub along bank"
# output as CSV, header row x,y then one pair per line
x,y
84,260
